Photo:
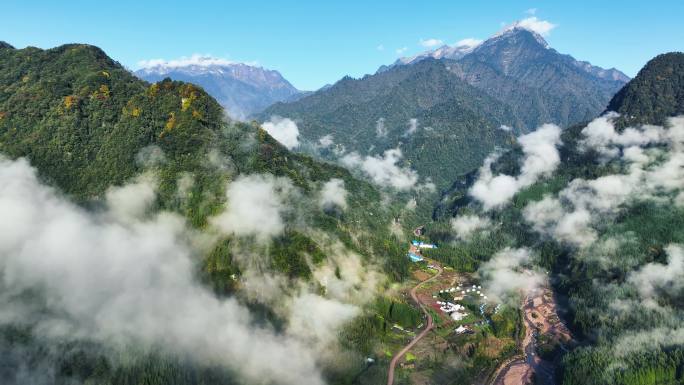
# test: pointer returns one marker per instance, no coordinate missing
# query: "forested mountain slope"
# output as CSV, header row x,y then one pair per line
x,y
86,124
454,123
655,93
540,84
603,215
246,208
453,112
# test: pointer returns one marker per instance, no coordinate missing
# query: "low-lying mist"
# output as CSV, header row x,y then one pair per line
x,y
124,276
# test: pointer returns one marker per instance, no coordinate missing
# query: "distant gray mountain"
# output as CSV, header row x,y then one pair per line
x,y
447,109
240,88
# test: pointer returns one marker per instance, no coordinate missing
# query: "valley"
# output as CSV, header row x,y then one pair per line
x,y
490,211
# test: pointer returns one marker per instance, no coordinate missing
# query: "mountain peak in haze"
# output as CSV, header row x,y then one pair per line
x,y
241,88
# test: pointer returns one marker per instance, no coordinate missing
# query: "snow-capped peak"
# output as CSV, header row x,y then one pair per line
x,y
456,51
196,64
509,32
539,28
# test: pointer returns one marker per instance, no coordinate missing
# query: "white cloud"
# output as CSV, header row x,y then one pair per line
x,y
429,43
383,170
600,135
656,276
127,284
131,201
184,185
185,61
380,47
542,27
283,130
493,191
466,225
468,42
254,207
413,126
505,274
549,216
650,339
531,11
401,50
652,172
326,141
380,129
150,156
506,128
318,319
541,154
221,162
333,194
541,158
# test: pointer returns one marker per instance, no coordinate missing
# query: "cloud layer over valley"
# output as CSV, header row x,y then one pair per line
x,y
124,276
653,159
541,159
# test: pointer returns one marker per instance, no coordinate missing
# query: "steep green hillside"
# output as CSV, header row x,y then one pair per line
x,y
540,84
607,224
86,124
457,125
655,93
513,80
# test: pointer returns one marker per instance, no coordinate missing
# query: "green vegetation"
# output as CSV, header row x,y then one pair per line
x,y
85,123
655,93
622,337
459,106
458,123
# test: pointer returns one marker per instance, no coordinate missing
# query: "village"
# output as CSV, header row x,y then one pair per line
x,y
450,302
459,315
457,310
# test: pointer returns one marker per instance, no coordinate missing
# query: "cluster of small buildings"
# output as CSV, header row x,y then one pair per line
x,y
414,257
475,290
421,245
455,311
414,251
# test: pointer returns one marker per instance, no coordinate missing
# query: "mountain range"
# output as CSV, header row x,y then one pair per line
x,y
462,102
147,240
241,89
466,46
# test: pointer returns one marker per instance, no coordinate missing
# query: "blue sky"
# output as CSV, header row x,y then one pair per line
x,y
317,42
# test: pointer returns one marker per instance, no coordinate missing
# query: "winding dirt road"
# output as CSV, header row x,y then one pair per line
x,y
397,357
